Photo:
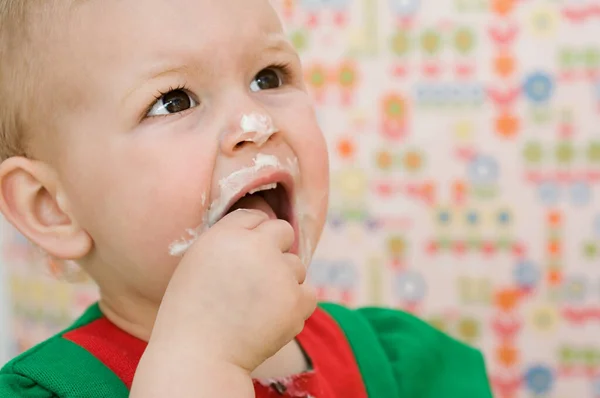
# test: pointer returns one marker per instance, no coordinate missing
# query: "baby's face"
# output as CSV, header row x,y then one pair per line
x,y
178,109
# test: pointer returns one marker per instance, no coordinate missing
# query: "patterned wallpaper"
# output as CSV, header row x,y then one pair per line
x,y
465,147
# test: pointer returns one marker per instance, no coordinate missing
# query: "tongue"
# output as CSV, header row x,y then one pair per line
x,y
255,202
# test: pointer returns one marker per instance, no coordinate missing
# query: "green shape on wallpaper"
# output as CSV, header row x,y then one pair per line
x,y
431,42
400,43
567,356
485,192
504,243
469,330
590,250
591,357
464,40
593,152
299,39
533,152
567,58
541,114
375,282
565,152
438,323
592,58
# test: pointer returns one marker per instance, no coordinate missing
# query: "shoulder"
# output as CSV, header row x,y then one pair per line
x,y
58,367
422,361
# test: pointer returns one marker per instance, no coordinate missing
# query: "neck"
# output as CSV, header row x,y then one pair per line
x,y
133,315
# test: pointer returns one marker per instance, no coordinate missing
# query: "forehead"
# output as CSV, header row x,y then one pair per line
x,y
148,23
134,35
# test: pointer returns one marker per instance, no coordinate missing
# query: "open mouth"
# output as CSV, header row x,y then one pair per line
x,y
271,199
271,195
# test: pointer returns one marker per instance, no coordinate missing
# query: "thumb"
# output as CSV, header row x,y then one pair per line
x,y
243,218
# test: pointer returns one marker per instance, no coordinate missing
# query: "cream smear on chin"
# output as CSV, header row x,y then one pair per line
x,y
257,128
228,188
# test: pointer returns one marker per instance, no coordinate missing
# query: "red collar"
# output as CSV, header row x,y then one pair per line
x,y
335,372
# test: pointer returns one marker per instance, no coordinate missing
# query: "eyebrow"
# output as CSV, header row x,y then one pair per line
x,y
275,42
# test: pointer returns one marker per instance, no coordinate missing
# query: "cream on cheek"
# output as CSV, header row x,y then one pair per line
x,y
258,129
229,187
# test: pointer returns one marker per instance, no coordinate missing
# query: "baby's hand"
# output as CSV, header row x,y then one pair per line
x,y
237,296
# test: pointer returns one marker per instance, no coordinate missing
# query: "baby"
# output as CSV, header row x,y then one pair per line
x,y
170,149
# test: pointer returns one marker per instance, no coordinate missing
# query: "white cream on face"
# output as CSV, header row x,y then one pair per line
x,y
257,128
233,183
229,187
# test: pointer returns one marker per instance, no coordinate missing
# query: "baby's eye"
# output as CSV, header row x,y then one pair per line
x,y
266,79
174,101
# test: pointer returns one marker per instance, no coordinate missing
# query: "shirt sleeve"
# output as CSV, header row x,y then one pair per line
x,y
17,386
425,362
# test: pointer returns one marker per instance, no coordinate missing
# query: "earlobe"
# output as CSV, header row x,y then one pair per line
x,y
32,200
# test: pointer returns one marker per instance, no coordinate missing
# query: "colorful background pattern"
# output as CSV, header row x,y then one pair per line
x,y
465,146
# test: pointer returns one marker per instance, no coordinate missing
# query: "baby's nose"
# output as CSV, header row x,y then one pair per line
x,y
254,129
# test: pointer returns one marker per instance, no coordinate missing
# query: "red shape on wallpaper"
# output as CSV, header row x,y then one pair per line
x,y
464,71
503,35
506,327
518,249
465,153
578,316
384,189
579,15
431,69
488,248
459,248
400,70
347,297
340,19
459,192
432,248
313,20
394,129
504,98
505,386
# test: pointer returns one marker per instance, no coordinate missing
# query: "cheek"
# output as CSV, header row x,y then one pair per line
x,y
135,202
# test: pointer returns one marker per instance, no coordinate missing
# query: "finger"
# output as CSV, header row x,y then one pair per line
x,y
297,266
309,300
243,218
279,232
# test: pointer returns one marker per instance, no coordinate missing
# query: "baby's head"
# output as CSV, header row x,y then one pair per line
x,y
127,127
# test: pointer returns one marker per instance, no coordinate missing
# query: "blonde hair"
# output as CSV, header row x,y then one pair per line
x,y
20,27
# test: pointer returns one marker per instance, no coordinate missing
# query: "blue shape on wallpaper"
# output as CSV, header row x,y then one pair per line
x,y
405,8
596,387
340,274
597,226
575,289
581,193
344,275
318,273
504,217
411,286
472,218
539,87
317,5
483,170
526,274
539,379
549,192
444,217
335,220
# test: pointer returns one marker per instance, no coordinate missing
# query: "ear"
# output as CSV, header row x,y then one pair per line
x,y
31,199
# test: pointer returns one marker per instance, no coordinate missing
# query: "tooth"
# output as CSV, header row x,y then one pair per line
x,y
263,188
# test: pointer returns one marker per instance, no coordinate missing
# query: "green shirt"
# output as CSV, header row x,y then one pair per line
x,y
396,354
